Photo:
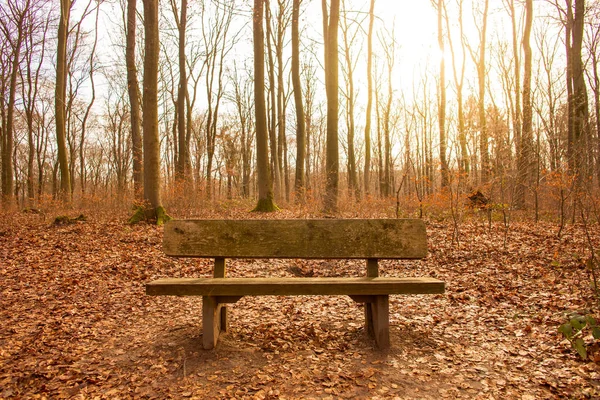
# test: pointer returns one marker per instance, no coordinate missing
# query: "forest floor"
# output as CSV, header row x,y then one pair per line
x,y
75,321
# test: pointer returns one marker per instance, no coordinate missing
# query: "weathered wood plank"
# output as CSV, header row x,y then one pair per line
x,y
292,286
311,238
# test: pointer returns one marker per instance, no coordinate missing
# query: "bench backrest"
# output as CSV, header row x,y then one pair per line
x,y
297,238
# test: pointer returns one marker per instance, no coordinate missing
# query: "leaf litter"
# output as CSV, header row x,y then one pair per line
x,y
76,323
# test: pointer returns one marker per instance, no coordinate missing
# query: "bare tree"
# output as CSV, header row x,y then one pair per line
x,y
272,117
525,146
388,44
34,57
151,141
133,88
478,57
350,37
516,75
60,98
183,166
283,21
439,5
458,73
299,182
86,116
14,20
242,98
217,45
369,97
578,102
593,47
330,33
119,143
265,184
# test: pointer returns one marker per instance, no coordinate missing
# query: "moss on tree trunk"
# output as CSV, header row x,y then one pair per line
x,y
156,215
266,205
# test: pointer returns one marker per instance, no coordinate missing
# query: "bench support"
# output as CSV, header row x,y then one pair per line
x,y
214,318
372,272
376,308
219,272
211,321
214,313
377,317
380,314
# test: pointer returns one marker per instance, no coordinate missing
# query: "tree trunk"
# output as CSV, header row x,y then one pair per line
x,y
517,115
369,98
353,186
150,107
483,134
133,89
182,168
330,30
60,99
525,150
459,75
299,182
442,99
8,169
281,101
82,137
275,167
265,185
579,96
595,86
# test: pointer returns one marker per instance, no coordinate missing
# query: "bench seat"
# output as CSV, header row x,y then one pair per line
x,y
292,286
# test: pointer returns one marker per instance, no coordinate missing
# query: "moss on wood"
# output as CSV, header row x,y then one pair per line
x,y
66,220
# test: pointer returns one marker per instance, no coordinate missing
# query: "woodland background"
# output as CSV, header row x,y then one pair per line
x,y
507,103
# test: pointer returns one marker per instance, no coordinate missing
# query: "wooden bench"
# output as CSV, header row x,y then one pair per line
x,y
303,239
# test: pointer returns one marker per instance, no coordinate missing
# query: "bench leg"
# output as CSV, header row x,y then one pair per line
x,y
369,319
378,320
223,325
212,316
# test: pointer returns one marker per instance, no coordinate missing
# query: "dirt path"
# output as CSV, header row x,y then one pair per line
x,y
75,322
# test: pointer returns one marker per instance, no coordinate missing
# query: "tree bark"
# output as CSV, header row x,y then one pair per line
x,y
369,98
483,134
442,98
353,186
525,150
133,89
579,103
265,184
19,14
60,99
330,30
459,75
275,167
183,164
299,182
151,140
